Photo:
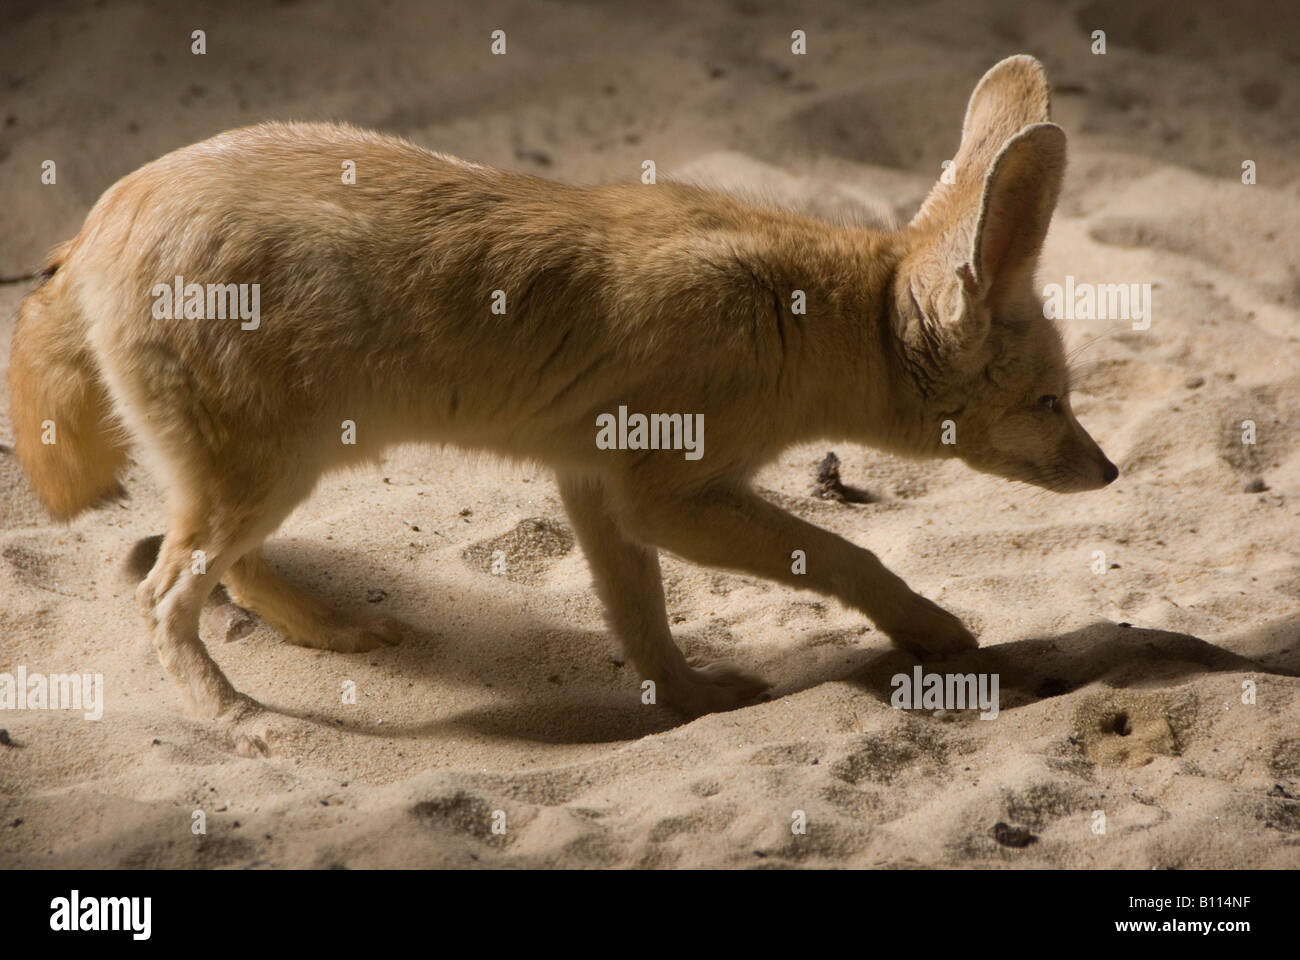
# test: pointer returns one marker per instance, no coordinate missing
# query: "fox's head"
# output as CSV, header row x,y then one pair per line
x,y
970,324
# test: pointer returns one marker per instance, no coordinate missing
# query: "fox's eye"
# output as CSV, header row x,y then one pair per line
x,y
1050,402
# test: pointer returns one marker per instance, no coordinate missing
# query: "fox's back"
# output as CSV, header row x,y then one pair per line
x,y
424,291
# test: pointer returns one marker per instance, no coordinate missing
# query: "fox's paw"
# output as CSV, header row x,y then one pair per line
x,y
254,731
930,631
711,689
358,637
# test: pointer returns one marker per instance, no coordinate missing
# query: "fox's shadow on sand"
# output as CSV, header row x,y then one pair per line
x,y
1119,655
1029,670
588,695
554,683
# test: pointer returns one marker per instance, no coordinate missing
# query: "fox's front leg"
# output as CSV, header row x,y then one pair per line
x,y
730,526
630,585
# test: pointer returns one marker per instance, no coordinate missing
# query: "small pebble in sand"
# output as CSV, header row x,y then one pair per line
x,y
1191,383
539,157
1256,486
375,595
4,738
1010,836
252,747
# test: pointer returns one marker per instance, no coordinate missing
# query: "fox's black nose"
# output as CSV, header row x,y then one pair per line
x,y
1109,472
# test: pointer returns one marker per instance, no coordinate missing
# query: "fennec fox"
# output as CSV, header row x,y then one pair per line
x,y
375,305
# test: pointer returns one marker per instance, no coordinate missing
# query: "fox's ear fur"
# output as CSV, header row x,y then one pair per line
x,y
1016,208
1013,95
979,237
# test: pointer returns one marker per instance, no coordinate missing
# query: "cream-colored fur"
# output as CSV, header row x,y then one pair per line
x,y
376,308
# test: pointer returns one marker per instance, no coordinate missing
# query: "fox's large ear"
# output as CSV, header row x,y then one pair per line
x,y
1014,94
1020,194
980,229
948,286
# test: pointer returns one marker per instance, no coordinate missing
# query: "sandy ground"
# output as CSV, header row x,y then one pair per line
x,y
1121,692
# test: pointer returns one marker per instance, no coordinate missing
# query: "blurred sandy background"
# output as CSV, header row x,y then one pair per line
x,y
1121,692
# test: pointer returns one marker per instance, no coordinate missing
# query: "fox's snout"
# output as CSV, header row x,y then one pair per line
x,y
1084,465
1106,473
1054,452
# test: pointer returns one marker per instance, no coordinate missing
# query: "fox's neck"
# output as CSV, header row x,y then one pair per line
x,y
841,352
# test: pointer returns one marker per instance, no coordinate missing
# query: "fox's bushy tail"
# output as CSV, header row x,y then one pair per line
x,y
64,434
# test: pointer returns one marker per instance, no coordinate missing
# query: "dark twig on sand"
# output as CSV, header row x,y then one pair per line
x,y
829,486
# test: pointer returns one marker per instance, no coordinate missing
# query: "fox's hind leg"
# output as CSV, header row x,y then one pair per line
x,y
215,537
629,583
290,609
194,552
299,615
